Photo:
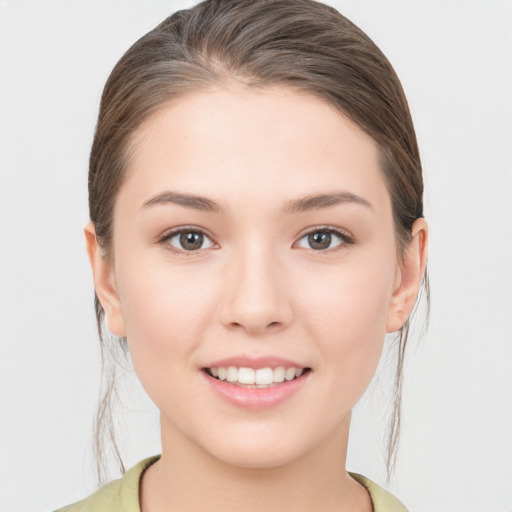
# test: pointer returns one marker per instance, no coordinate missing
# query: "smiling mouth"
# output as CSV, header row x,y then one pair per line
x,y
255,378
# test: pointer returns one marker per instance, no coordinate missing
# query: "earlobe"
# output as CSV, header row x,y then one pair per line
x,y
410,275
104,283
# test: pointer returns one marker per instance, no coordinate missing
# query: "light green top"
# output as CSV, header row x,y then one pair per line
x,y
122,495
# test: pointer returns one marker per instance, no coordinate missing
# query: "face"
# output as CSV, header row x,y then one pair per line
x,y
253,243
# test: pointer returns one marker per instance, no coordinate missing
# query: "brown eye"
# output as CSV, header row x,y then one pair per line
x,y
189,240
323,239
319,240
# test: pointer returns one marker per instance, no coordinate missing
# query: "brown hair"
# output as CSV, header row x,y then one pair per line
x,y
301,44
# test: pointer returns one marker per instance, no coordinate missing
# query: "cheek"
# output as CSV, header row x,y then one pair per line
x,y
166,310
348,300
345,310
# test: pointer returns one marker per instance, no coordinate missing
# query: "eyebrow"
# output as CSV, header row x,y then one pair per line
x,y
188,201
319,201
308,203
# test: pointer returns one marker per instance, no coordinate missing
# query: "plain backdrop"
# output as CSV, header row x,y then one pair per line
x,y
455,62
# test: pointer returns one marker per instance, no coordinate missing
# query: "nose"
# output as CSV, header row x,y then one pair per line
x,y
256,295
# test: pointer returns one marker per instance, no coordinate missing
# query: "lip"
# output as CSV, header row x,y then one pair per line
x,y
255,362
255,399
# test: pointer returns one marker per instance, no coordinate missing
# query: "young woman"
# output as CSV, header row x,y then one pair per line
x,y
256,229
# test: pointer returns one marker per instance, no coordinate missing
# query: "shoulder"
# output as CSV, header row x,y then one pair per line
x,y
383,501
120,495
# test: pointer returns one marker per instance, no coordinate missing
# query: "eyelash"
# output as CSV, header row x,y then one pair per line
x,y
341,234
345,238
184,229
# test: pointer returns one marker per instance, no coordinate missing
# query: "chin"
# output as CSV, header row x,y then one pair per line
x,y
257,458
257,448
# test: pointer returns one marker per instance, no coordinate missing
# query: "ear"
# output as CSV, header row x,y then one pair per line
x,y
410,272
104,283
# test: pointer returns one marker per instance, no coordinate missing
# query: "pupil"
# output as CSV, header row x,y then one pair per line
x,y
320,240
191,240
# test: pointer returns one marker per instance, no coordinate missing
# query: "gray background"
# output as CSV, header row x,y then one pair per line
x,y
454,59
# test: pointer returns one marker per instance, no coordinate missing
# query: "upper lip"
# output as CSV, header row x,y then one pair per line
x,y
255,362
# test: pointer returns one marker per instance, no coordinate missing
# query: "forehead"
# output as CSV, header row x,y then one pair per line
x,y
261,144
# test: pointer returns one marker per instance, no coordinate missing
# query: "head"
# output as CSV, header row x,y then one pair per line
x,y
280,56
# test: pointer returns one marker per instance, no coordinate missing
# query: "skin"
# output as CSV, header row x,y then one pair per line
x,y
257,288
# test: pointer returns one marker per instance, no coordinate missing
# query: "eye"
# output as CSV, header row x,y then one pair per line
x,y
187,240
323,239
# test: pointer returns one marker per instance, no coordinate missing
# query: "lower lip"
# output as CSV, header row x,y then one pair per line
x,y
256,398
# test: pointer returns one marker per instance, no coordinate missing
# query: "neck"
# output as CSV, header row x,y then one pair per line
x,y
186,478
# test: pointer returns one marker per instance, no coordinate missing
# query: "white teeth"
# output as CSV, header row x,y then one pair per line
x,y
279,374
246,375
259,378
290,373
232,374
264,376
